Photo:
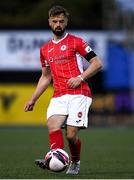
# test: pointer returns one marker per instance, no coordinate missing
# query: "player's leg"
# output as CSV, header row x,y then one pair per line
x,y
77,118
56,115
74,142
74,145
54,124
56,140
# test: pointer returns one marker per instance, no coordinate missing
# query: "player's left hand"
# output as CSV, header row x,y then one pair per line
x,y
74,82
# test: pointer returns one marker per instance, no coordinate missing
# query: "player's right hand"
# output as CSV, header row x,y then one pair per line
x,y
29,106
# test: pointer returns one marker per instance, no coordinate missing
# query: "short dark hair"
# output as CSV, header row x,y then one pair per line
x,y
56,10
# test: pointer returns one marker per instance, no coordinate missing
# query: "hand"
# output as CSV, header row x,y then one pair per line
x,y
74,82
29,106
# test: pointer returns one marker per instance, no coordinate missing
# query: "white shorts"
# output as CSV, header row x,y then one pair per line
x,y
75,107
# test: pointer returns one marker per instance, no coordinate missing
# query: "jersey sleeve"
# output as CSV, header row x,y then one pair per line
x,y
84,49
43,61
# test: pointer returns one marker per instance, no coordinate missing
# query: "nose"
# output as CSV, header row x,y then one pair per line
x,y
58,23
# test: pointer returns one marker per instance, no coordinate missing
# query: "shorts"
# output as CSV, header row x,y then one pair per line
x,y
75,107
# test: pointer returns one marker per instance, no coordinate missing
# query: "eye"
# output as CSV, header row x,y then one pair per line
x,y
54,21
62,21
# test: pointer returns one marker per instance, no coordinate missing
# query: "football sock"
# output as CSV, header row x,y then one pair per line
x,y
56,139
75,149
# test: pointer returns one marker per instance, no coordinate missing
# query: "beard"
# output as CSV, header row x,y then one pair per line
x,y
58,31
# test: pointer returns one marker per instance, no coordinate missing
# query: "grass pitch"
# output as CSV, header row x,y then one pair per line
x,y
106,153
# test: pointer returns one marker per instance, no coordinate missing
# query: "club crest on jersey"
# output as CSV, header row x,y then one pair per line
x,y
79,114
63,47
88,49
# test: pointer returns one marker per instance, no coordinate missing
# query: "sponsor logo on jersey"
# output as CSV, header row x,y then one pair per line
x,y
63,47
58,59
50,50
88,49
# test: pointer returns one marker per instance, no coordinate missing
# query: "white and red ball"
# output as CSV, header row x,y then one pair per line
x,y
57,160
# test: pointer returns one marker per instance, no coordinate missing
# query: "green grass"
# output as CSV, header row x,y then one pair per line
x,y
106,153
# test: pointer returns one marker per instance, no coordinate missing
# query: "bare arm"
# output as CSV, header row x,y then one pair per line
x,y
94,67
42,85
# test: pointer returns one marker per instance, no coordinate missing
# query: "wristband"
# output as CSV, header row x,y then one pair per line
x,y
80,78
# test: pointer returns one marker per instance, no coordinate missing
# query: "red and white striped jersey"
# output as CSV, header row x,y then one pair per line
x,y
64,59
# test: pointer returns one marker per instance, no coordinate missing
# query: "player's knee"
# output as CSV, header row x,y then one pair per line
x,y
51,126
71,137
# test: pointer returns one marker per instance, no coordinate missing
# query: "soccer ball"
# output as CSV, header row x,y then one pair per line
x,y
57,160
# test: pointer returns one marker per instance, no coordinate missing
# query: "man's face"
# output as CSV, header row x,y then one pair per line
x,y
58,24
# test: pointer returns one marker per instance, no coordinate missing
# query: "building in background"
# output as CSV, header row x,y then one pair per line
x,y
106,25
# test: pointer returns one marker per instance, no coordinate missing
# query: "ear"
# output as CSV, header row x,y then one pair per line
x,y
66,21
